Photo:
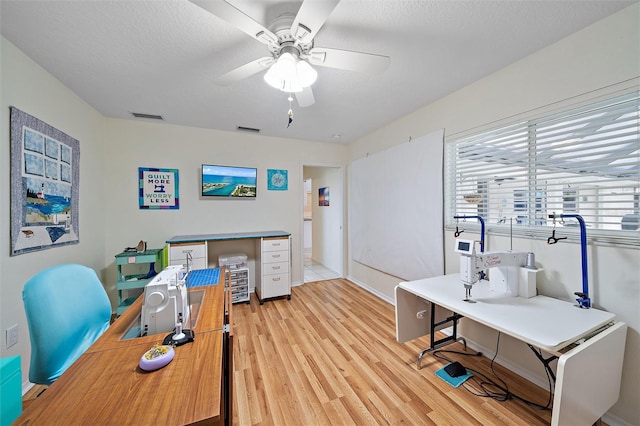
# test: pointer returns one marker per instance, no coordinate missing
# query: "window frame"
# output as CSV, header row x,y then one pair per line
x,y
531,198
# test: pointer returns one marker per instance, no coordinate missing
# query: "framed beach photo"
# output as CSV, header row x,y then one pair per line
x,y
223,181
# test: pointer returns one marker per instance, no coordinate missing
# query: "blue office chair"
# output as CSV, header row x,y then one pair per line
x,y
67,310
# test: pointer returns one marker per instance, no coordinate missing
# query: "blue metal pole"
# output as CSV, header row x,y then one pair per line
x,y
583,300
481,220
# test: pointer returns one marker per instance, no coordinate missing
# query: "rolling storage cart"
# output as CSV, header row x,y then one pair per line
x,y
237,276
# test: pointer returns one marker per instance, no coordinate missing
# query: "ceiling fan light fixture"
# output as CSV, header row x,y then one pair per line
x,y
273,79
290,86
285,66
306,74
290,74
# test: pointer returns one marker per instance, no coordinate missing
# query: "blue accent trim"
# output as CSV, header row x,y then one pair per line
x,y
229,236
583,300
481,220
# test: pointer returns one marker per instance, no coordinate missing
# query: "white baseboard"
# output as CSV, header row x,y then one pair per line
x,y
612,420
26,387
373,291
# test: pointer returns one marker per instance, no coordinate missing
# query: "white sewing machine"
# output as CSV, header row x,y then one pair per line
x,y
514,272
166,303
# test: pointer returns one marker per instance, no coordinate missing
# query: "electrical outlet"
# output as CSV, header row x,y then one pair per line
x,y
12,335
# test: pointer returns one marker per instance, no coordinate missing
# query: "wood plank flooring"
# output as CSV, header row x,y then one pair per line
x,y
329,356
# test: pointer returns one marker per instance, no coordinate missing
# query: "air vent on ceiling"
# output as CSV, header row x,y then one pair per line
x,y
248,129
150,116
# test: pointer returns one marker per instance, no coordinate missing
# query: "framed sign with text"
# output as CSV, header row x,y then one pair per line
x,y
158,188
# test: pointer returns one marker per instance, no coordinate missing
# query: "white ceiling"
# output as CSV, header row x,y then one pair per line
x,y
161,57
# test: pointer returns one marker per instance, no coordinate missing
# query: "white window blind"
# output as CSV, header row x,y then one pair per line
x,y
584,160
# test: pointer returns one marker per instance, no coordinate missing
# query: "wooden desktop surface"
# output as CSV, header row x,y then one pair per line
x,y
106,385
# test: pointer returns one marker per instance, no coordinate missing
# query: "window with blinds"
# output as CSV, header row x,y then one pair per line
x,y
584,160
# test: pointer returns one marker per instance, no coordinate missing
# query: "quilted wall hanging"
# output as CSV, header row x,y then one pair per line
x,y
44,185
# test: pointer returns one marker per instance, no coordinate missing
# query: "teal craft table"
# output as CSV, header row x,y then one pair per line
x,y
125,282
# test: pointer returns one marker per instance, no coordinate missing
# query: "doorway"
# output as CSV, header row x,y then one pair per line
x,y
323,216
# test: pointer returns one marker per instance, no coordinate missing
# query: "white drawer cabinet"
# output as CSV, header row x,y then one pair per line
x,y
273,267
178,254
270,268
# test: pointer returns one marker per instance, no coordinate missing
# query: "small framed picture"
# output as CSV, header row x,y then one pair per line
x,y
277,180
323,196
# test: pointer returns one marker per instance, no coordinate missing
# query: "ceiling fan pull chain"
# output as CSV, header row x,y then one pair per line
x,y
290,113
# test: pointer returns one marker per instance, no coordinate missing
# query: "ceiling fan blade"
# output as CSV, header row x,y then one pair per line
x,y
305,98
246,70
234,16
311,18
348,60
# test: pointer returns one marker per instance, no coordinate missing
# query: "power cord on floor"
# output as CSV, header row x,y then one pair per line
x,y
485,387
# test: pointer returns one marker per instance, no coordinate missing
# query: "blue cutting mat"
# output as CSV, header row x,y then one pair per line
x,y
453,381
203,277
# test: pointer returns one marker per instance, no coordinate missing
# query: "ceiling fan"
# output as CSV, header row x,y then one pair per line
x,y
290,40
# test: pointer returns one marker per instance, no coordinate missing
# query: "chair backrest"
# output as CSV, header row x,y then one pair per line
x,y
67,310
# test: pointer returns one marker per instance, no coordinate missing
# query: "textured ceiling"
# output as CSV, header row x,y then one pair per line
x,y
161,57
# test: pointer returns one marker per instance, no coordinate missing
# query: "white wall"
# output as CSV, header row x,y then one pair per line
x,y
186,149
28,87
583,65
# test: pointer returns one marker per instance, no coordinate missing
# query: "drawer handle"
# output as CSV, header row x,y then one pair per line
x,y
275,256
187,251
276,279
276,267
276,244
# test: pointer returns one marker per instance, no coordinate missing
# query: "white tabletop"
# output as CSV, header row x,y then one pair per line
x,y
547,323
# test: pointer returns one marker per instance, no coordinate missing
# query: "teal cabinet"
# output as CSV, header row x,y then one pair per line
x,y
10,390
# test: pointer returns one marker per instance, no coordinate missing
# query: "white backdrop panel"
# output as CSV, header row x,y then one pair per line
x,y
396,212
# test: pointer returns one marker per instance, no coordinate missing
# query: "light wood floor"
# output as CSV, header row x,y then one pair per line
x,y
329,356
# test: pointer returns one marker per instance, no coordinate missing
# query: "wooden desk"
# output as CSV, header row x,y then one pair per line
x,y
588,342
106,386
210,316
